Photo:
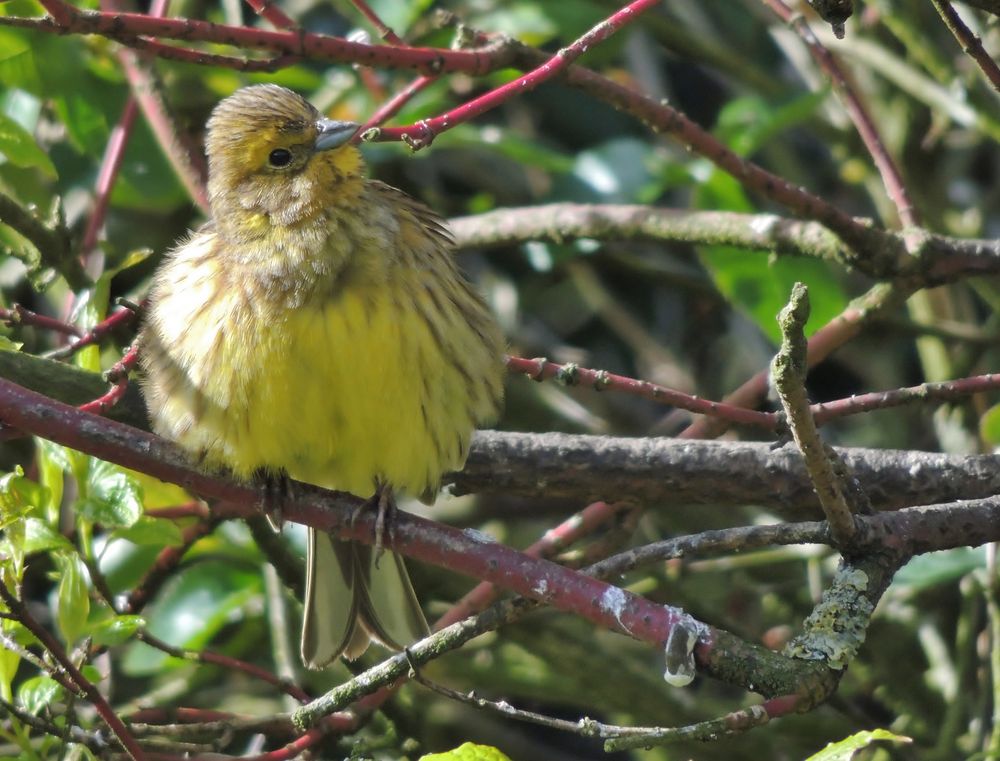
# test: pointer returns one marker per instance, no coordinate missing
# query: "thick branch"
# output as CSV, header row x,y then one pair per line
x,y
671,472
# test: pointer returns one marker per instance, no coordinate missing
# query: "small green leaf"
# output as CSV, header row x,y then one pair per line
x,y
989,426
9,660
20,148
40,537
114,498
116,630
947,567
846,748
18,496
36,693
468,752
151,531
73,601
6,344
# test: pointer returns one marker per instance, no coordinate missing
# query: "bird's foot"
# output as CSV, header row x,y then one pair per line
x,y
276,492
384,501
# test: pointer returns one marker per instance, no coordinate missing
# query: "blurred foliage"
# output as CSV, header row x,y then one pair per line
x,y
697,319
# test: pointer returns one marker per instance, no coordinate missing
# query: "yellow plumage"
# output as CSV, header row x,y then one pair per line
x,y
317,326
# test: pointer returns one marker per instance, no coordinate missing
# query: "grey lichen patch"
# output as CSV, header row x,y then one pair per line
x,y
835,630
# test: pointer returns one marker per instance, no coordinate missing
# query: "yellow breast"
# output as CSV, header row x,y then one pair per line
x,y
379,378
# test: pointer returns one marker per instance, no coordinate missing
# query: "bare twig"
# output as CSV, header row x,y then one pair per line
x,y
970,43
421,135
788,371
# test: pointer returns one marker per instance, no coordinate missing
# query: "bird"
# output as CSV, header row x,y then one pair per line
x,y
317,328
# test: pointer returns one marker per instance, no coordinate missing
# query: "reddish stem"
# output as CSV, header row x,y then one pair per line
x,y
277,17
96,333
392,106
971,44
114,153
21,613
118,375
19,315
856,110
572,375
384,32
423,133
567,532
125,27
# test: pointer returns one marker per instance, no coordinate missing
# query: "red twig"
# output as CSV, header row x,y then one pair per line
x,y
114,153
822,343
971,44
392,106
228,662
193,509
19,315
21,613
268,10
423,133
880,400
599,380
164,564
384,32
201,58
126,27
96,334
856,110
567,532
62,13
118,376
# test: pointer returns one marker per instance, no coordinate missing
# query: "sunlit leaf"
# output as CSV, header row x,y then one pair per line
x,y
468,752
115,630
19,147
846,748
72,601
36,693
114,498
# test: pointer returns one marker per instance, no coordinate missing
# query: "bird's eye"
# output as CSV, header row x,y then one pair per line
x,y
279,157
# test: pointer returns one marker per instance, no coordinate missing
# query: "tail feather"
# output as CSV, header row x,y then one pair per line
x,y
350,602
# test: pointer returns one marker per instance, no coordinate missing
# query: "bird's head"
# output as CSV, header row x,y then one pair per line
x,y
274,161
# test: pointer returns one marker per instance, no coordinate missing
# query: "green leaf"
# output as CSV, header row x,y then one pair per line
x,y
85,125
73,600
37,692
757,283
114,498
40,537
18,496
116,630
989,426
158,532
20,148
846,748
938,568
17,61
192,609
6,344
468,752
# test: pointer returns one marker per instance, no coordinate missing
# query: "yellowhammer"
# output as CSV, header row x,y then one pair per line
x,y
318,327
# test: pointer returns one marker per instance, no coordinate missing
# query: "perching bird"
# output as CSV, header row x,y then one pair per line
x,y
317,327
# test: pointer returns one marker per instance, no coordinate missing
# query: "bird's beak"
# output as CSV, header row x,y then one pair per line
x,y
332,134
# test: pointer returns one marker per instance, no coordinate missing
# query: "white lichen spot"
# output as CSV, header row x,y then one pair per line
x,y
613,601
541,588
763,223
478,536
